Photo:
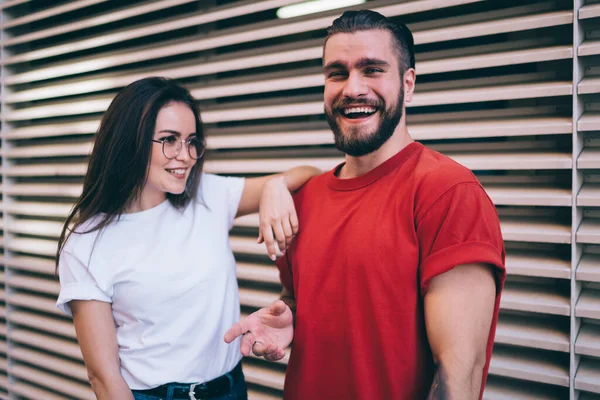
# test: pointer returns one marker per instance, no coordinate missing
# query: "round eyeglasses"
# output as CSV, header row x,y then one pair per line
x,y
172,145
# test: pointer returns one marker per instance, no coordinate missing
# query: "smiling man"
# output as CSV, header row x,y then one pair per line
x,y
392,286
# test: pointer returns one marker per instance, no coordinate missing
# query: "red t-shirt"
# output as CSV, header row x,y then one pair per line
x,y
361,264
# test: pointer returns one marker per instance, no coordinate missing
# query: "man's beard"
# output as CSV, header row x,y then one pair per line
x,y
356,143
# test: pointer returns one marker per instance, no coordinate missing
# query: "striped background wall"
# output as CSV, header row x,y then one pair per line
x,y
508,88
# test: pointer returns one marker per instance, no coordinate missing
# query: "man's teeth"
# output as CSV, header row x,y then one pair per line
x,y
356,110
179,171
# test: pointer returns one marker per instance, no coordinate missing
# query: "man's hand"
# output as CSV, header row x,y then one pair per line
x,y
266,332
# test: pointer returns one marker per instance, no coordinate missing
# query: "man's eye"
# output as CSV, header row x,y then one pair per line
x,y
335,74
373,70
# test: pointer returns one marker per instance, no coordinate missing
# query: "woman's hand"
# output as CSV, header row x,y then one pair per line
x,y
278,221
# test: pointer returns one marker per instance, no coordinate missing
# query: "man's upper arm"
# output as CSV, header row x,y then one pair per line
x,y
459,309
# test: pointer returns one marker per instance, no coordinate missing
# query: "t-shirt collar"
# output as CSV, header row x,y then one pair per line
x,y
370,177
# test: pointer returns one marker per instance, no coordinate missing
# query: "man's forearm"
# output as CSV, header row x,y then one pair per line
x,y
462,381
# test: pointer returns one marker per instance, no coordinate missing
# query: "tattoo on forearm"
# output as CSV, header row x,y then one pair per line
x,y
438,387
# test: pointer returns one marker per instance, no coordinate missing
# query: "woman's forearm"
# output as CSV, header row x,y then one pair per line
x,y
298,176
114,388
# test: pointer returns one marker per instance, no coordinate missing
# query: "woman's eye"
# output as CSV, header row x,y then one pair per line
x,y
170,140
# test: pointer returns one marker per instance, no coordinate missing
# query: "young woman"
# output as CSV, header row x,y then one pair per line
x,y
144,260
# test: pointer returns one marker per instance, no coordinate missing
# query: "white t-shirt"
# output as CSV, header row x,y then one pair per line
x,y
170,276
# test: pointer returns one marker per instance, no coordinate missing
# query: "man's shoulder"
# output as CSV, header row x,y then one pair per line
x,y
434,169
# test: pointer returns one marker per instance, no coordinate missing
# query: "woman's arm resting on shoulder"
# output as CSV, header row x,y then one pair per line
x,y
278,219
97,338
459,307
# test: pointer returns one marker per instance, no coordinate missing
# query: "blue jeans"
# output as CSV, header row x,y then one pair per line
x,y
238,391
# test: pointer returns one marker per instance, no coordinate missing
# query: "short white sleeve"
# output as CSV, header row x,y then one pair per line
x,y
221,191
76,283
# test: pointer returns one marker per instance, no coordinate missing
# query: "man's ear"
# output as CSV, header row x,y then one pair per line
x,y
409,79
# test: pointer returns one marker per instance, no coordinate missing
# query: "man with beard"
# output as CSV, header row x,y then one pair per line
x,y
392,286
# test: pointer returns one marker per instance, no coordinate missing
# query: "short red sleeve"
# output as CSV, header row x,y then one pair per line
x,y
460,227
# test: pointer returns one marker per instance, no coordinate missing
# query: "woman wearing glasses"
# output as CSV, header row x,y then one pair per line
x,y
144,259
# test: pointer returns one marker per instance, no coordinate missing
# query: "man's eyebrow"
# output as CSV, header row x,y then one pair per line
x,y
363,62
336,64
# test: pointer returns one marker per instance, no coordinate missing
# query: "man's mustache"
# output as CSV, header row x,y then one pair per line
x,y
346,101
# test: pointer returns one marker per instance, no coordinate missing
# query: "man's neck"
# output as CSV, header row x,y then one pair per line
x,y
357,166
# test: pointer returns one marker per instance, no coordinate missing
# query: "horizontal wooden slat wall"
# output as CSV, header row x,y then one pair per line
x,y
587,236
508,88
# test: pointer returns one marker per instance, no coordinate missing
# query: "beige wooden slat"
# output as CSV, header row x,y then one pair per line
x,y
253,394
40,247
422,97
588,340
475,161
77,169
541,299
530,332
38,303
257,273
528,263
588,376
247,245
588,268
56,150
257,298
589,195
68,368
535,230
513,228
67,348
229,37
492,27
37,228
589,11
505,389
462,62
44,189
589,85
6,4
500,195
589,232
33,264
528,196
419,131
589,159
27,390
588,122
54,382
55,129
52,325
588,304
37,209
197,19
534,366
589,48
50,12
264,376
38,285
103,19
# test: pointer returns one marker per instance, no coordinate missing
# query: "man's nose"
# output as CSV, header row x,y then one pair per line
x,y
355,86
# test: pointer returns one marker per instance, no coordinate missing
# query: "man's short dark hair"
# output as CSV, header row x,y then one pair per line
x,y
364,20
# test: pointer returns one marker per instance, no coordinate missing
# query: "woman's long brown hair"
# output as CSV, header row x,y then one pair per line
x,y
118,166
